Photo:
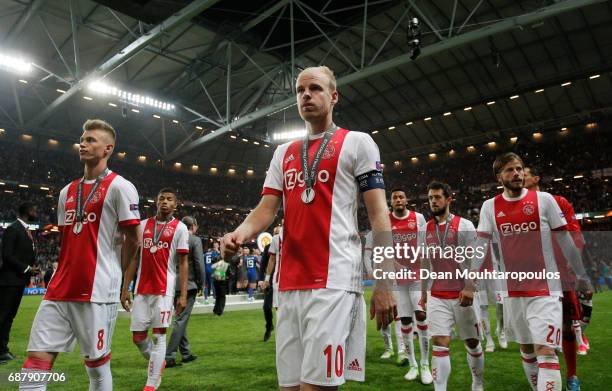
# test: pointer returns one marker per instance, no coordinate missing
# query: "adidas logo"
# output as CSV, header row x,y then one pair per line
x,y
148,231
290,158
354,366
501,214
70,199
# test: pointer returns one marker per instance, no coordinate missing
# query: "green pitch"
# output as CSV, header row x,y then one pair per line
x,y
232,356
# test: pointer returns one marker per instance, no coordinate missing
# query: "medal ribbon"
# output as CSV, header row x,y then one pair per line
x,y
310,175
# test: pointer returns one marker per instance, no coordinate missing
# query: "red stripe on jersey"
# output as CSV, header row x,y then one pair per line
x,y
127,223
269,190
519,225
445,288
74,278
182,251
153,275
305,251
568,277
406,231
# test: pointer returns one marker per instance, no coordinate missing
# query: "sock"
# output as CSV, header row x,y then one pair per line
x,y
99,372
423,331
486,324
409,341
577,333
399,338
530,366
34,365
157,360
143,342
475,360
386,334
499,316
205,293
549,374
250,290
440,367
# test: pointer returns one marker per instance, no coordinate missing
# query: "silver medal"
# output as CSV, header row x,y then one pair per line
x,y
153,249
77,227
308,195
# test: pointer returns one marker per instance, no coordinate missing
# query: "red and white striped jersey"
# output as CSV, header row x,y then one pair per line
x,y
461,233
157,270
409,229
90,262
321,247
520,230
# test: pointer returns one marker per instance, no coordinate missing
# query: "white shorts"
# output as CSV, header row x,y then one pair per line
x,y
58,325
151,311
320,337
534,320
407,298
443,314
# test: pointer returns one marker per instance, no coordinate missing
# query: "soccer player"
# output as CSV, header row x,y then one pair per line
x,y
408,228
211,256
94,213
252,264
269,282
320,334
570,303
451,299
385,332
519,222
165,245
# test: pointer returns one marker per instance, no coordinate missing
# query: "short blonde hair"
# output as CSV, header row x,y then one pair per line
x,y
98,124
325,70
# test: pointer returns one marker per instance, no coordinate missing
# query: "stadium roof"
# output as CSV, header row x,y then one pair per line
x,y
518,54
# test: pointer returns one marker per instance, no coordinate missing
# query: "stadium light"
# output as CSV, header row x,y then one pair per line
x,y
408,123
142,158
135,111
391,127
60,91
175,121
537,135
594,77
397,163
249,172
233,136
513,139
44,188
578,176
199,127
256,142
447,113
26,137
471,148
111,104
130,97
53,142
87,98
23,81
231,171
433,156
514,96
557,179
289,134
567,83
491,144
427,119
414,159
491,102
178,165
213,170
451,152
156,116
24,186
374,131
468,108
14,64
540,90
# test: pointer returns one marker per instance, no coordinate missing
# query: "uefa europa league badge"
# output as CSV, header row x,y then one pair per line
x,y
308,195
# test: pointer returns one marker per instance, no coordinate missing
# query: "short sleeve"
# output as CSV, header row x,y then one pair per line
x,y
125,199
486,223
274,178
273,250
182,239
61,207
367,156
550,211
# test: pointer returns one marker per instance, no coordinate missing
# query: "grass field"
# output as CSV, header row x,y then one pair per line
x,y
232,356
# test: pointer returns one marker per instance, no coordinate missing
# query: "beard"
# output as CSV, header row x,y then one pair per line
x,y
399,209
512,186
438,212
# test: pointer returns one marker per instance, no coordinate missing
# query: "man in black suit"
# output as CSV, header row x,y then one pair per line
x,y
17,266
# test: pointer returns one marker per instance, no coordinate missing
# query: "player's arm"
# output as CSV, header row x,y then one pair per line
x,y
484,235
183,278
128,276
382,304
271,262
257,221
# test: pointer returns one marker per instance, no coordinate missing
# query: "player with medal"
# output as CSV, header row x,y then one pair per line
x,y
320,340
94,213
164,247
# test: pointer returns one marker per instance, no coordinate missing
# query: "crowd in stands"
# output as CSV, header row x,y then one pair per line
x,y
229,198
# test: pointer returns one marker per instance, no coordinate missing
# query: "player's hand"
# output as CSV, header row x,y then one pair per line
x,y
585,289
230,244
423,301
263,285
466,297
383,307
181,303
126,301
